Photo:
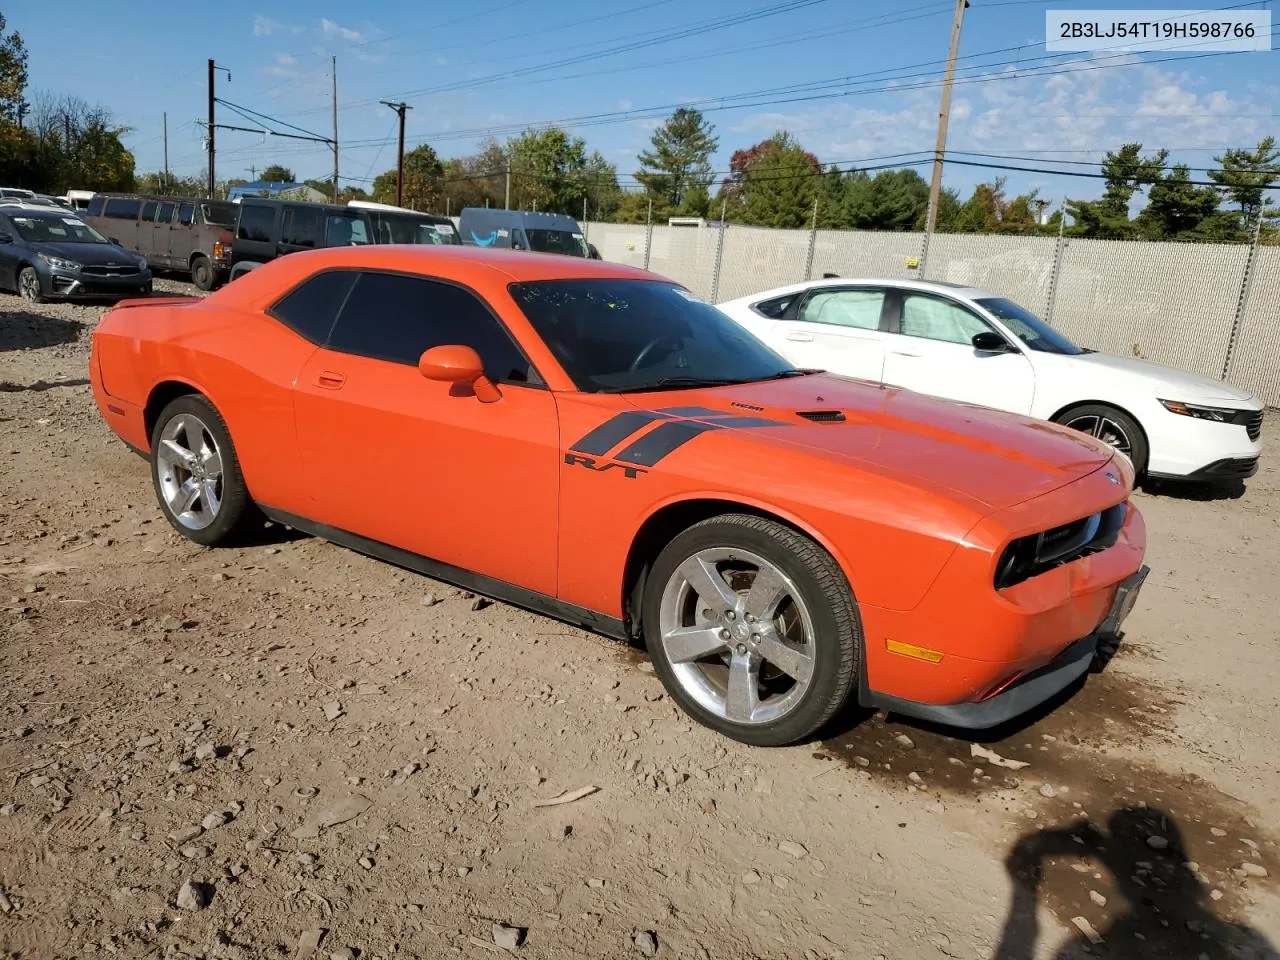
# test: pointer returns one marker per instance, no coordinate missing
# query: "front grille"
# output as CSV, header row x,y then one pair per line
x,y
121,271
822,416
1039,553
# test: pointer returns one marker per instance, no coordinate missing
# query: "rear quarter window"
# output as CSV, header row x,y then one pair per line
x,y
775,308
310,308
256,224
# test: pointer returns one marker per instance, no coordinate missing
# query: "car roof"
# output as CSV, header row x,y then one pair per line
x,y
935,286
524,218
462,264
36,210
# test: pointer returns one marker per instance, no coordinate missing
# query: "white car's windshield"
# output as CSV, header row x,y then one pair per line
x,y
1029,328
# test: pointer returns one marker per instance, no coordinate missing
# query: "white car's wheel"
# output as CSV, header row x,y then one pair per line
x,y
1112,426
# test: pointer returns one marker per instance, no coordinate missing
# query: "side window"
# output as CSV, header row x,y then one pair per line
x,y
395,317
301,226
517,240
122,208
934,318
186,214
775,308
344,231
149,211
165,213
845,308
256,223
95,207
310,308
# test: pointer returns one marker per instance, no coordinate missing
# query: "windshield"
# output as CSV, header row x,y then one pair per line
x,y
1029,328
56,230
221,214
613,336
557,241
405,228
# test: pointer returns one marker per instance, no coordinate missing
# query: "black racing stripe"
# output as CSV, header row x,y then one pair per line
x,y
694,412
613,431
660,441
736,421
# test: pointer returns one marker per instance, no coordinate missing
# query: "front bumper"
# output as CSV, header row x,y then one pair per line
x,y
1027,691
1230,468
66,285
1184,448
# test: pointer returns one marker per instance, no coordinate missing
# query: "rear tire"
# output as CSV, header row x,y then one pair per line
x,y
752,628
202,273
195,472
1112,426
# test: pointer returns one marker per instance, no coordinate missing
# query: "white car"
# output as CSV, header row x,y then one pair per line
x,y
966,344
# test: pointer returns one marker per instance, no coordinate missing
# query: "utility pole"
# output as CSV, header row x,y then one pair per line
x,y
209,132
335,129
253,173
166,150
400,109
66,126
939,148
506,204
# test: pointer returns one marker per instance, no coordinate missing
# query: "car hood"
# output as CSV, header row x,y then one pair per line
x,y
94,254
1165,382
981,455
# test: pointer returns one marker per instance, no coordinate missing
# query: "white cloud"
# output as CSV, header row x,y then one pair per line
x,y
331,29
266,27
286,59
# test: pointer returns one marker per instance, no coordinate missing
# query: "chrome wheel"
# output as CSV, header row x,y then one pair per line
x,y
1105,429
189,470
738,635
29,285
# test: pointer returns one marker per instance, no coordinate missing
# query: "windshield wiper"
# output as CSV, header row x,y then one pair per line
x,y
679,382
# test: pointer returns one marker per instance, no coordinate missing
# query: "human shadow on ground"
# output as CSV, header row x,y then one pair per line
x,y
20,330
1128,888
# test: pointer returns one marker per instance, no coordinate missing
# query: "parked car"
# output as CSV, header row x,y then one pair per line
x,y
16,193
524,230
78,200
173,233
51,254
267,229
592,442
967,344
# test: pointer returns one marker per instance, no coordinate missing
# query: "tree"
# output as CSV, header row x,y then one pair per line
x,y
170,185
275,173
772,184
478,180
1245,177
680,161
1177,209
1126,172
989,210
13,75
423,181
603,195
891,200
547,171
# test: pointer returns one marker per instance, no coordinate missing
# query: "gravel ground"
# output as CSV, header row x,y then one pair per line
x,y
289,750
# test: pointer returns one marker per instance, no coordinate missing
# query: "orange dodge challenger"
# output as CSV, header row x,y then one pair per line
x,y
595,443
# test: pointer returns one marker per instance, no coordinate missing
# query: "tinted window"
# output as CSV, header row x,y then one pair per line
x,y
95,206
397,228
149,210
165,213
186,213
845,308
345,231
633,335
123,208
256,223
301,226
1029,328
309,309
219,214
557,241
775,308
394,317
933,318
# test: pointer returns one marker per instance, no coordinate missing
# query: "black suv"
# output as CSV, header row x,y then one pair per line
x,y
267,229
47,254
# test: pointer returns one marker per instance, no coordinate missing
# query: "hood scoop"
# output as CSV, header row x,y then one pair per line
x,y
822,416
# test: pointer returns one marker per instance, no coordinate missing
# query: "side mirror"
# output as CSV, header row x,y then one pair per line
x,y
459,365
115,240
991,342
592,252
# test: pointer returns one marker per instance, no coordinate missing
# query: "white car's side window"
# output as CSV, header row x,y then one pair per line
x,y
845,308
934,318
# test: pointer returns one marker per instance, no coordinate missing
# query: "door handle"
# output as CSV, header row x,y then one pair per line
x,y
331,380
901,353
799,337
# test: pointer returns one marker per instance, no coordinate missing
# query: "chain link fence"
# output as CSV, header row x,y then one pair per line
x,y
1211,309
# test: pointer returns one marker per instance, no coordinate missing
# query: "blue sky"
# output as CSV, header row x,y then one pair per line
x,y
451,63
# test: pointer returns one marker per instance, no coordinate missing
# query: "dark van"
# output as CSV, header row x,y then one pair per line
x,y
267,229
524,230
173,233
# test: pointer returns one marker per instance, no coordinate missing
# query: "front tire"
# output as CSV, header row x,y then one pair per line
x,y
752,628
196,474
1112,426
202,273
29,285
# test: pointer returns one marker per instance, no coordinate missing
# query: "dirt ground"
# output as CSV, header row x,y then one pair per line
x,y
290,750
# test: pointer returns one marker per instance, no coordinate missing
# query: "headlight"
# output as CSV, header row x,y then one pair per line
x,y
221,250
58,263
1217,414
